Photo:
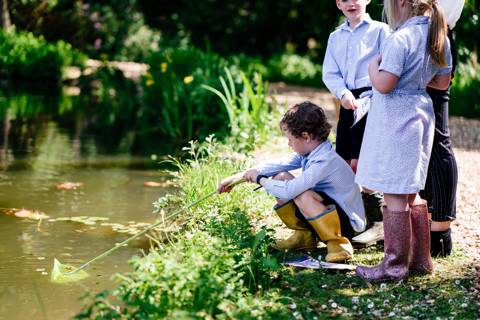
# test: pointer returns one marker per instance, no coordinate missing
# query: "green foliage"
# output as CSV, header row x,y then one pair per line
x,y
200,277
25,56
180,109
177,107
248,112
252,27
466,31
295,69
465,99
138,44
102,29
216,268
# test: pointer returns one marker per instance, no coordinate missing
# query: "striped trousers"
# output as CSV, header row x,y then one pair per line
x,y
442,176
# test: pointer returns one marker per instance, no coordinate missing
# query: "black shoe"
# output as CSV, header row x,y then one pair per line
x,y
373,204
441,243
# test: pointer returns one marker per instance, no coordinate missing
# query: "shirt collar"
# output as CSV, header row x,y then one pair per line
x,y
366,19
321,148
415,20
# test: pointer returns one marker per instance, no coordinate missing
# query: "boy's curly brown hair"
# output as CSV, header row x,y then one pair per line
x,y
306,117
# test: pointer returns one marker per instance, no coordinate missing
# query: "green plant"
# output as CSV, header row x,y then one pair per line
x,y
295,69
25,56
176,105
248,112
465,98
217,267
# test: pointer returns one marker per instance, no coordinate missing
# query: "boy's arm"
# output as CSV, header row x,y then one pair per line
x,y
271,168
266,169
289,189
331,73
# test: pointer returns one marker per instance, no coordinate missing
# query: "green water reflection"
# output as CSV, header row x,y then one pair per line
x,y
48,138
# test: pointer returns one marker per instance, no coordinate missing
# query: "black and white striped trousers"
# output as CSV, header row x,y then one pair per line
x,y
442,176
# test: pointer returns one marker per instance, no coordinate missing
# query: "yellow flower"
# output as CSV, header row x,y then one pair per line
x,y
150,82
188,79
163,67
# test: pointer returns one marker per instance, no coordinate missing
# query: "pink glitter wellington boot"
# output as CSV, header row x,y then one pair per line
x,y
420,259
398,233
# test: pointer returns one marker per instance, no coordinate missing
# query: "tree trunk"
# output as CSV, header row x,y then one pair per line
x,y
5,16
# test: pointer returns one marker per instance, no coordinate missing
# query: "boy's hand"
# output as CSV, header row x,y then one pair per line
x,y
227,184
348,101
251,175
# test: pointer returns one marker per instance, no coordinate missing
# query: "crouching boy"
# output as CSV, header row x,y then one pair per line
x,y
323,201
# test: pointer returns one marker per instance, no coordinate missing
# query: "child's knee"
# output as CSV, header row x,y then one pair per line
x,y
309,203
283,176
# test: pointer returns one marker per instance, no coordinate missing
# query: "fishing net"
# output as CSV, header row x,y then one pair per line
x,y
63,273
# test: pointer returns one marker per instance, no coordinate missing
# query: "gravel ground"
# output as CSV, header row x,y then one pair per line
x,y
465,135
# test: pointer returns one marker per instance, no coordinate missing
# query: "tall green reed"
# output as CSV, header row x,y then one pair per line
x,y
249,112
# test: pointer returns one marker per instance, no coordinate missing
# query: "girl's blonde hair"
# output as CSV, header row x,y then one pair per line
x,y
437,32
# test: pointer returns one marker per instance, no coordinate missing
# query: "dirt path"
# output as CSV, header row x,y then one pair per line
x,y
466,140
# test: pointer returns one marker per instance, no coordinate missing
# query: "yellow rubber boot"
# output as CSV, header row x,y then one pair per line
x,y
327,226
302,238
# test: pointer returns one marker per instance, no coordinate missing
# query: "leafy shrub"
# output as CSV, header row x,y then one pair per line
x,y
465,97
179,108
25,56
295,69
287,67
217,268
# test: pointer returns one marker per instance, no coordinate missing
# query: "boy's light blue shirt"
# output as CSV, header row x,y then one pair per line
x,y
322,170
349,52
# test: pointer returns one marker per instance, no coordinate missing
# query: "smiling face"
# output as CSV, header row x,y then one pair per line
x,y
354,10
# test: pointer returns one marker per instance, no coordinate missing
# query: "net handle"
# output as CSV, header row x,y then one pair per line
x,y
118,245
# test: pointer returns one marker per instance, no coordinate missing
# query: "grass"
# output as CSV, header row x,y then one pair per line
x,y
220,265
445,294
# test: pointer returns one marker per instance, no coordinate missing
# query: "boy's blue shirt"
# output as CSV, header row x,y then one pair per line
x,y
348,54
323,170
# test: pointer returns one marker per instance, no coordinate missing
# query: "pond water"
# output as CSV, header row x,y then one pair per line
x,y
47,141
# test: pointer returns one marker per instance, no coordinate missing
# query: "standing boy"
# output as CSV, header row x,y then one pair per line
x,y
350,49
324,199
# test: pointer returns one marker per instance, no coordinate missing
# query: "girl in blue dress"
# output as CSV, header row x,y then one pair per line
x,y
399,132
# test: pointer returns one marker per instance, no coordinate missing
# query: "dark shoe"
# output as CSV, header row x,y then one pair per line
x,y
398,232
420,260
373,204
441,245
370,236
